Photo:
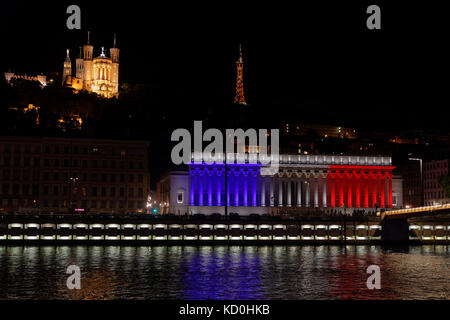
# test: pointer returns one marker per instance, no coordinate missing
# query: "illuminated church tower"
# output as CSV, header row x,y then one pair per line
x,y
114,53
67,69
240,98
99,75
88,52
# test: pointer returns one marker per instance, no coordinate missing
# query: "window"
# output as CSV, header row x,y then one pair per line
x,y
25,189
84,165
131,192
113,192
180,197
94,191
140,178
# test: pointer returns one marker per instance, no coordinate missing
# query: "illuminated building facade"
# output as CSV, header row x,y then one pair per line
x,y
433,192
9,76
43,174
302,182
99,75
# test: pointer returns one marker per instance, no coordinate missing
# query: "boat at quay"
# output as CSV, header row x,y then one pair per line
x,y
158,230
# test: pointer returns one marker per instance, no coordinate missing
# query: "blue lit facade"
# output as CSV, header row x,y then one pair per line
x,y
207,185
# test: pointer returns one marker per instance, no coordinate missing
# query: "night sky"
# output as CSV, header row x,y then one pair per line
x,y
303,61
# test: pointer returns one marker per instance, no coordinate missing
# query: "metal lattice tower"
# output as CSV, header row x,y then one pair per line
x,y
240,98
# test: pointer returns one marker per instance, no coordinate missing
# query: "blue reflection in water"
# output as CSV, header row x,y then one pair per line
x,y
222,273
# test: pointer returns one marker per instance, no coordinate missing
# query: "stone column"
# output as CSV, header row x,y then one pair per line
x,y
272,197
324,190
210,186
299,192
254,179
236,189
263,192
192,191
316,191
374,194
280,192
289,192
200,189
308,193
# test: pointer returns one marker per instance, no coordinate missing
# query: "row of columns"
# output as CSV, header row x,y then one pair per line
x,y
335,189
304,189
294,191
207,187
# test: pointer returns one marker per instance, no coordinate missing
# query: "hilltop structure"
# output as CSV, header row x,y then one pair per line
x,y
99,75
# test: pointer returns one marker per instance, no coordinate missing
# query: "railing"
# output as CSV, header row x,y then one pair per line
x,y
191,231
293,159
427,209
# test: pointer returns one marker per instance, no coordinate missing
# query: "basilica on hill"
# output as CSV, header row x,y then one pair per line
x,y
94,74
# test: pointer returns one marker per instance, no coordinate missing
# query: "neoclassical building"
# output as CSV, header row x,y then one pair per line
x,y
300,183
94,74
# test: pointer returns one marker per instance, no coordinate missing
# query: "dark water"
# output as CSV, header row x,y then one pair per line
x,y
220,272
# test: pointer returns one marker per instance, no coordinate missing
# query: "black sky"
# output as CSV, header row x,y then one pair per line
x,y
300,56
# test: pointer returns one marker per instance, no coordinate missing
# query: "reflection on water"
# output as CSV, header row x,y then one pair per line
x,y
224,272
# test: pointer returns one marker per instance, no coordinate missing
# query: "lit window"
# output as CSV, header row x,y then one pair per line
x,y
180,197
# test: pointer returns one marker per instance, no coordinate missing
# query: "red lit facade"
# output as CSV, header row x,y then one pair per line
x,y
360,186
